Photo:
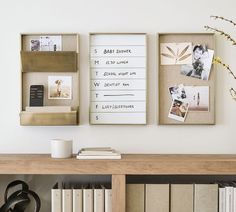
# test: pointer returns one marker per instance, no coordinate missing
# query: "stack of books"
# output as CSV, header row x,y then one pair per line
x,y
98,153
82,198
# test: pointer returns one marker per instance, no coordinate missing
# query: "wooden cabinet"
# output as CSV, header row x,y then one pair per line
x,y
129,165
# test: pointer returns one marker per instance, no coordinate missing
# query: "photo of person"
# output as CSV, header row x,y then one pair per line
x,y
178,110
177,92
198,98
59,87
34,45
202,62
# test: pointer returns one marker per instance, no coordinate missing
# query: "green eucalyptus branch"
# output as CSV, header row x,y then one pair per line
x,y
223,19
227,36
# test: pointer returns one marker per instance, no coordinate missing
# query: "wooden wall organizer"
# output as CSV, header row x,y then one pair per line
x,y
37,66
169,75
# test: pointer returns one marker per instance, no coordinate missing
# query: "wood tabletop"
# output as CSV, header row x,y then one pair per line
x,y
130,164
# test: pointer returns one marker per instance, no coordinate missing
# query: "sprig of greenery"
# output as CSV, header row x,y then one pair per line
x,y
226,35
218,60
223,19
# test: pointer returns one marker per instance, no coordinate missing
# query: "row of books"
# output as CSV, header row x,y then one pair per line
x,y
172,198
98,153
93,198
227,197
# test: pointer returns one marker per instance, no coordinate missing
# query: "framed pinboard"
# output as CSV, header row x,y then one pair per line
x,y
186,78
118,69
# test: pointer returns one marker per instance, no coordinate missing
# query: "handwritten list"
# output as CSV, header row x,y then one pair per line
x,y
118,79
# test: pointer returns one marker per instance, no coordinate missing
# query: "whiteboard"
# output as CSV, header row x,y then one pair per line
x,y
118,70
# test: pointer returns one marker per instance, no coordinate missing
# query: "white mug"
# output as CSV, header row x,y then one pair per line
x,y
61,148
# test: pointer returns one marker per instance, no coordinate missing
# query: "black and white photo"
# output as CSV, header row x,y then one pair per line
x,y
202,62
177,92
34,45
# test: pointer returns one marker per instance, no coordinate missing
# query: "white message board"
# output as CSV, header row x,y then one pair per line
x,y
118,78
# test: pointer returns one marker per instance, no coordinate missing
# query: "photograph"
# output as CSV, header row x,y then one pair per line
x,y
178,110
50,43
177,92
201,64
198,98
59,87
176,53
34,45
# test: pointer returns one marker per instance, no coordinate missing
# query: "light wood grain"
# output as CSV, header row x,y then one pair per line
x,y
118,193
128,165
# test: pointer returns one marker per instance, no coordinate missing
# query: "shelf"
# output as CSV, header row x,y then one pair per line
x,y
130,164
49,61
48,119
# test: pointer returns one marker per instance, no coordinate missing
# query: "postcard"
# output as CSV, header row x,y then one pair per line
x,y
51,43
198,98
59,87
176,53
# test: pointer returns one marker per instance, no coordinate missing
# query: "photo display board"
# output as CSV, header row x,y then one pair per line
x,y
118,68
186,79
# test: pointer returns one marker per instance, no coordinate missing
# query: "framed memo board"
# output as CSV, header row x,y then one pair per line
x,y
185,79
118,68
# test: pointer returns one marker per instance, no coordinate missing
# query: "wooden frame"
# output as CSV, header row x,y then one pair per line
x,y
169,76
97,116
37,66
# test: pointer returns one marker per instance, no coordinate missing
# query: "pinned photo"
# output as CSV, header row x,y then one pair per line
x,y
178,110
177,92
34,45
176,53
201,65
198,98
59,87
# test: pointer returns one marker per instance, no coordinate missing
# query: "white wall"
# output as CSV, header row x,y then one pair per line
x,y
80,16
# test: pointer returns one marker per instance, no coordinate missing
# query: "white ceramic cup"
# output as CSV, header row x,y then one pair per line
x,y
61,148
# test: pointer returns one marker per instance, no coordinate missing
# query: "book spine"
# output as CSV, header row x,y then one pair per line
x,y
135,198
56,200
67,200
77,200
157,197
99,200
206,197
221,199
87,200
108,200
234,199
229,199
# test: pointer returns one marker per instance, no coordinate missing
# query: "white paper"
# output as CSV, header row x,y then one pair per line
x,y
176,53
